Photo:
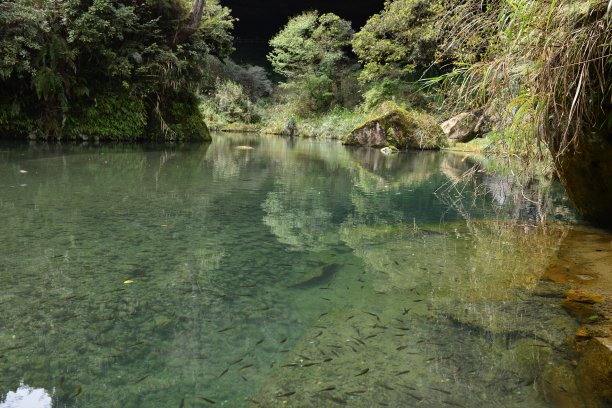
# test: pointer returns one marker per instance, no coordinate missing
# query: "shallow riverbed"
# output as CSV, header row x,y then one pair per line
x,y
296,273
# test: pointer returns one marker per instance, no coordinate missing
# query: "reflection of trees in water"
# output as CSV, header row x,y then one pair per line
x,y
378,172
299,221
524,197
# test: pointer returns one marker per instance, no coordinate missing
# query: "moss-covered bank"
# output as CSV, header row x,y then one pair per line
x,y
113,116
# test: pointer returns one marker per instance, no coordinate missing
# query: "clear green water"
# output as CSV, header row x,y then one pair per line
x,y
299,273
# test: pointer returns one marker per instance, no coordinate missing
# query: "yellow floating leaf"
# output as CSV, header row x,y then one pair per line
x,y
128,281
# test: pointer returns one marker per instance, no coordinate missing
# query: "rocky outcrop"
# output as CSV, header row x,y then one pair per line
x,y
463,127
585,171
398,128
582,265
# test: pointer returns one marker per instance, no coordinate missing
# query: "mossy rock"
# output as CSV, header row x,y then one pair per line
x,y
399,128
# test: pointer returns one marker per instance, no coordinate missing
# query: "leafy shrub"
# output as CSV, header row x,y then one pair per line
x,y
111,116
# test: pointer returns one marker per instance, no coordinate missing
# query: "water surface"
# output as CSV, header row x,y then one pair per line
x,y
298,273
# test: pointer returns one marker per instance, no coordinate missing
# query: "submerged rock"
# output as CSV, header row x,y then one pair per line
x,y
400,128
594,371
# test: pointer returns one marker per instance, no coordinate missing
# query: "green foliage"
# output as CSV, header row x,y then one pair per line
x,y
311,51
230,103
546,75
112,116
185,120
60,56
334,124
398,41
311,43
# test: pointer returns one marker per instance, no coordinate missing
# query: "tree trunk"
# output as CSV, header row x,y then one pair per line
x,y
195,18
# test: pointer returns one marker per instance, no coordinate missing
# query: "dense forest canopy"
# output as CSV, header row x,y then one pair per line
x,y
117,69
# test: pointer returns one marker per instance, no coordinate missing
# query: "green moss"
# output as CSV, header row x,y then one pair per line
x,y
394,126
185,119
111,116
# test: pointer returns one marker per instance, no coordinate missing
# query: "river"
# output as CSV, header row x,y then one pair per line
x,y
265,271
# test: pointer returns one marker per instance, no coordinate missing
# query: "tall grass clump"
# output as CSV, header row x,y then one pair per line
x,y
546,74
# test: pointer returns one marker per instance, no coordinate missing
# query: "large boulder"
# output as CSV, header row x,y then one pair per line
x,y
463,127
398,128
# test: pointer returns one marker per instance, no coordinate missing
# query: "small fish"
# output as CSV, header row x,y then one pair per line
x,y
303,356
309,364
207,400
225,329
318,326
379,326
290,365
356,392
328,389
77,391
403,372
453,403
370,336
349,318
244,378
259,342
141,380
418,300
405,312
237,361
338,400
353,348
254,401
441,390
403,328
327,360
319,334
358,340
400,348
373,314
202,357
385,386
416,397
323,314
283,340
285,394
224,372
182,403
246,366
362,372
324,298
